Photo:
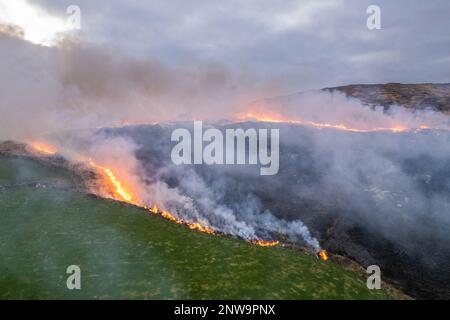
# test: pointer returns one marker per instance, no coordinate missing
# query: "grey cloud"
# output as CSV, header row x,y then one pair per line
x,y
309,44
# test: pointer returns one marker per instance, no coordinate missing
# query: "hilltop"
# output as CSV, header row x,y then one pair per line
x,y
411,96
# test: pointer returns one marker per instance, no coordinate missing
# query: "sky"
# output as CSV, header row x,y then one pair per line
x,y
304,45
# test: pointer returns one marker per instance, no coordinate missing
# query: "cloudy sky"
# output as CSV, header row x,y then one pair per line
x,y
303,44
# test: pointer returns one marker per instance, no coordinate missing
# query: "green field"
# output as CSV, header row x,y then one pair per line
x,y
125,253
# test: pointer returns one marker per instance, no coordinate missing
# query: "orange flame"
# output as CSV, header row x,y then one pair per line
x,y
120,192
320,125
192,225
198,227
323,255
171,217
39,147
263,243
153,209
123,194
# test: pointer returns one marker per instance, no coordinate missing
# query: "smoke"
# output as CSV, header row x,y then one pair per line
x,y
196,200
79,85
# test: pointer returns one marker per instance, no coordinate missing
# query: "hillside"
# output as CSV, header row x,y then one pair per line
x,y
124,253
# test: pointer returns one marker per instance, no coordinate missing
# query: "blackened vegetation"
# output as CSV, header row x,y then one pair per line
x,y
412,96
377,198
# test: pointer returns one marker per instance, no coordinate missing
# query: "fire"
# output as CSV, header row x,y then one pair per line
x,y
120,192
198,227
123,194
321,125
263,243
167,215
42,148
192,225
153,209
323,255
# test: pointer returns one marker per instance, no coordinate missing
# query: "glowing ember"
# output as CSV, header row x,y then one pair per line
x,y
321,125
263,243
323,255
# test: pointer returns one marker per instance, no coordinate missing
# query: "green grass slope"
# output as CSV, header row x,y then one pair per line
x,y
125,253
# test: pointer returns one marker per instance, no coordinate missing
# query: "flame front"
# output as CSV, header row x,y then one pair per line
x,y
120,192
192,225
263,243
123,194
320,125
43,149
198,227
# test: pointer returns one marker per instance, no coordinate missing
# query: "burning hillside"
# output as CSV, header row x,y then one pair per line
x,y
367,195
116,189
363,182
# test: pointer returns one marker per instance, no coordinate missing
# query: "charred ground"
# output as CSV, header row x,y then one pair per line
x,y
341,186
